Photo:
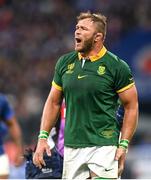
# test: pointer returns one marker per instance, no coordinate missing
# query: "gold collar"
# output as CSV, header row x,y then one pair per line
x,y
95,57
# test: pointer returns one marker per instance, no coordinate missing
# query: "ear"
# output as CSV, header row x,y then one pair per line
x,y
98,37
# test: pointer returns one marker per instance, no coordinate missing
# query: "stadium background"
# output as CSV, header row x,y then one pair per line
x,y
34,33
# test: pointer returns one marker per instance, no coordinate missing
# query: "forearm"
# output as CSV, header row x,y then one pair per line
x,y
49,116
16,135
51,111
130,121
15,132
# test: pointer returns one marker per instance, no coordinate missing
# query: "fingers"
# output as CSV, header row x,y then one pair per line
x,y
19,161
120,156
119,153
38,159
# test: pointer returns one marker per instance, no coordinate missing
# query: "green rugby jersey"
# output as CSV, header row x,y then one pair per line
x,y
91,95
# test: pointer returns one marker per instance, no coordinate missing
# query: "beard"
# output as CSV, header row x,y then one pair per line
x,y
86,46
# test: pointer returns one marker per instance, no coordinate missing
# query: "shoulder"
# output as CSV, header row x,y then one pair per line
x,y
68,56
115,61
6,110
65,60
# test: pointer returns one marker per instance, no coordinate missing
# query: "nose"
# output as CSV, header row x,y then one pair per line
x,y
77,31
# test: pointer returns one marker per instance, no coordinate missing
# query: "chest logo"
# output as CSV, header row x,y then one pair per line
x,y
80,77
70,68
101,70
107,133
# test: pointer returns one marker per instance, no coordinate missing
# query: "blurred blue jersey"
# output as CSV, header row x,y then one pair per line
x,y
120,115
6,113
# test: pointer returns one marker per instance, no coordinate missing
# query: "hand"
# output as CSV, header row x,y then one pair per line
x,y
18,155
120,156
42,147
19,160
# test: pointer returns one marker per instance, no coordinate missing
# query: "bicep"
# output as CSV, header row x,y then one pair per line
x,y
129,96
55,96
51,109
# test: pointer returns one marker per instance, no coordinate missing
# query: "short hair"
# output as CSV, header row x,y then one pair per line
x,y
98,18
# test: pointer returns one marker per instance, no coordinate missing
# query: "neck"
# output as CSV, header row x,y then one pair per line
x,y
94,51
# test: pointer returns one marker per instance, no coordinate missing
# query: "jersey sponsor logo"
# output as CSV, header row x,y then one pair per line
x,y
107,133
101,70
80,77
70,68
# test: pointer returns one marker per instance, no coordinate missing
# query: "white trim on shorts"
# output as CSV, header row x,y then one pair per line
x,y
78,162
4,165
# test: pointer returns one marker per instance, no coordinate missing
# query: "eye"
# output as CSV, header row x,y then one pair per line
x,y
77,27
84,28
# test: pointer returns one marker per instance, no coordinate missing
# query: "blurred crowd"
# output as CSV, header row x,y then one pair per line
x,y
34,33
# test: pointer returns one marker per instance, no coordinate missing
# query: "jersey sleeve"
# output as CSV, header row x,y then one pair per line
x,y
124,79
57,79
7,111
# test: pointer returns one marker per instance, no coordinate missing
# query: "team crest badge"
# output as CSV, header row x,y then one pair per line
x,y
101,70
70,68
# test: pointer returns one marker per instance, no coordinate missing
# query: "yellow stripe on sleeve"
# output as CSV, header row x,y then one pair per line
x,y
125,88
56,86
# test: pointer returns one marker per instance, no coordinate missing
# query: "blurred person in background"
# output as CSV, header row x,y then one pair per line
x,y
60,139
91,79
9,124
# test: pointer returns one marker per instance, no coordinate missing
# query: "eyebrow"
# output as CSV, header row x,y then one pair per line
x,y
81,26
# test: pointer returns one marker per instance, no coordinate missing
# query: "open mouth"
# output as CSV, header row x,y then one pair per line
x,y
78,40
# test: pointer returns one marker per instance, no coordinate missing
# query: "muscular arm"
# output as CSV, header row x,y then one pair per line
x,y
51,109
130,103
49,117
